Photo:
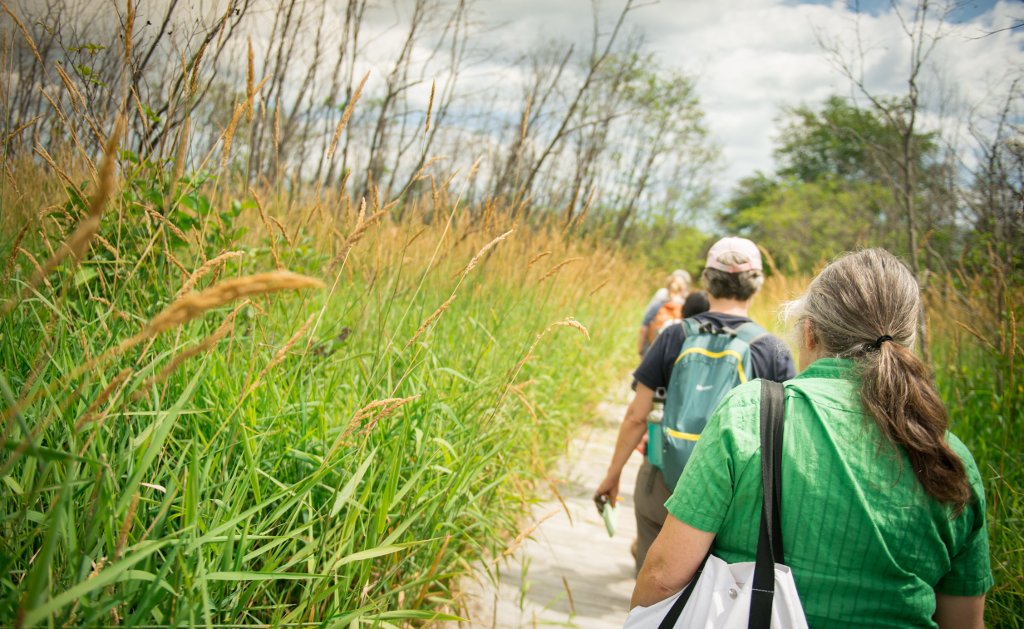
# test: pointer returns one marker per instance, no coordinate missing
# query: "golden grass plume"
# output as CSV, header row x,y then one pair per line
x,y
266,224
250,81
202,346
90,414
430,106
282,352
240,108
280,228
570,322
188,307
9,267
362,224
129,28
193,82
24,33
525,533
469,267
163,220
537,257
598,287
349,108
378,410
181,151
479,254
78,101
558,267
78,242
192,305
434,316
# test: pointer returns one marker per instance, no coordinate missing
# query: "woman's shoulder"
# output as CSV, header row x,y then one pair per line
x,y
743,395
736,422
740,409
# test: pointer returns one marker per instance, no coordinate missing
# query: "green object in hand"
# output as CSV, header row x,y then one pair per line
x,y
610,515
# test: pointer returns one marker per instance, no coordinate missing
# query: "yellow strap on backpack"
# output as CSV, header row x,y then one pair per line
x,y
689,436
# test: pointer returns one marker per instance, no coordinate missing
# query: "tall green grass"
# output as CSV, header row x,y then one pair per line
x,y
979,366
337,457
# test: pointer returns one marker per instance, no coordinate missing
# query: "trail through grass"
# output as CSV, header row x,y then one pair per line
x,y
195,436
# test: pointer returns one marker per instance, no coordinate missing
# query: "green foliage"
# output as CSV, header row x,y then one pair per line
x,y
750,192
995,201
836,187
806,224
983,386
665,159
258,482
681,248
843,141
88,76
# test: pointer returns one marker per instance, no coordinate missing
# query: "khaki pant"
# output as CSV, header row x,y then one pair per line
x,y
649,497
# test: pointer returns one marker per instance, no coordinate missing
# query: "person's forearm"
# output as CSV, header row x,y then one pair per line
x,y
640,340
671,562
959,612
634,424
649,590
630,433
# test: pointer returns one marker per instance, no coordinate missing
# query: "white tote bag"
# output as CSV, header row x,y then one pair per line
x,y
721,600
759,594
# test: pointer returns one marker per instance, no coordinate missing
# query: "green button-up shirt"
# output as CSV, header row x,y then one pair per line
x,y
867,545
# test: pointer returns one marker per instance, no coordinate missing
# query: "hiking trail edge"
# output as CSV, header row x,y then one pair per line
x,y
575,575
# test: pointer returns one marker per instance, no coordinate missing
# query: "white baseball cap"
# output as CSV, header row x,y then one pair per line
x,y
734,255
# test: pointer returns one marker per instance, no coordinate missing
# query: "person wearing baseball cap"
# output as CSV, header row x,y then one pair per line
x,y
735,255
732,276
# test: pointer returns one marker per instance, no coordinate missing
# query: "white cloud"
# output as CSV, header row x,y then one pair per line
x,y
751,58
754,57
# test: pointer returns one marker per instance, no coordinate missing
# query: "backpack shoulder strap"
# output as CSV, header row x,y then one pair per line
x,y
692,328
750,332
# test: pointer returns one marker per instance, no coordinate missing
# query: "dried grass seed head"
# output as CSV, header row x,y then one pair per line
x,y
192,305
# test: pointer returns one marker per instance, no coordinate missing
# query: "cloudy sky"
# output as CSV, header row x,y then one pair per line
x,y
751,58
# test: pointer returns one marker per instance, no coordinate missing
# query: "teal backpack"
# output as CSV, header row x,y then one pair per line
x,y
711,362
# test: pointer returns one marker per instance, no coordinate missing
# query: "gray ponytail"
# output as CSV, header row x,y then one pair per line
x,y
852,306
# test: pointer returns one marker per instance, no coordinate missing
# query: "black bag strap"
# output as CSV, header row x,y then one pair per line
x,y
669,621
769,543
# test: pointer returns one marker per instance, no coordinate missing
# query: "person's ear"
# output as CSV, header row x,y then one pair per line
x,y
809,338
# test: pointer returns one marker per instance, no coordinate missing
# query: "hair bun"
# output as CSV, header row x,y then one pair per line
x,y
877,345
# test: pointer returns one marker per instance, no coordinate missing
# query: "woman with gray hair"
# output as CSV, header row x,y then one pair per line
x,y
883,510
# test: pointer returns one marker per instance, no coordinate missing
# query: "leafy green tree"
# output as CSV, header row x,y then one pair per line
x,y
683,248
836,187
805,224
751,191
665,158
842,141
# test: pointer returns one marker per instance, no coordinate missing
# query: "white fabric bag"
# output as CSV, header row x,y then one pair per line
x,y
721,600
722,595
